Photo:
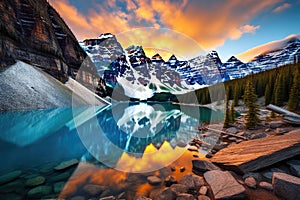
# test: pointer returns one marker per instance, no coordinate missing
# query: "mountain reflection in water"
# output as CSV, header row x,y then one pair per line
x,y
118,140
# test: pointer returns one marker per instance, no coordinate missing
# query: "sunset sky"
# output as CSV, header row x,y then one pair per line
x,y
229,26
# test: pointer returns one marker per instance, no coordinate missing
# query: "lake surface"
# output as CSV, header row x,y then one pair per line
x,y
116,146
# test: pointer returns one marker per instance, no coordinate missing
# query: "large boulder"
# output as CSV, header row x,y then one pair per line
x,y
286,186
224,185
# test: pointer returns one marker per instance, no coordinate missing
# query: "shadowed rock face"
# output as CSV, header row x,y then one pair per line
x,y
32,31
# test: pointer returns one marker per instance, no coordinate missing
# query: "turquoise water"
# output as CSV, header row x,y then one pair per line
x,y
34,142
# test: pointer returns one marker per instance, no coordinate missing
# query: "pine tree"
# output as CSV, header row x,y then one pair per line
x,y
294,97
227,115
268,95
232,112
250,98
279,90
236,95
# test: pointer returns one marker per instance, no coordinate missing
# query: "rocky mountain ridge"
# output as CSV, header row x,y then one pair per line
x,y
134,71
33,32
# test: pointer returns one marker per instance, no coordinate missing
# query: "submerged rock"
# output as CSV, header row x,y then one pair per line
x,y
58,187
10,176
154,180
60,177
39,191
66,164
39,180
224,186
286,186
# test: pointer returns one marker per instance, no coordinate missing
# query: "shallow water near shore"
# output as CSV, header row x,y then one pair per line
x,y
116,149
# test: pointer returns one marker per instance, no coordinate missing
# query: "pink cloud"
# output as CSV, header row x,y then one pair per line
x,y
249,28
282,7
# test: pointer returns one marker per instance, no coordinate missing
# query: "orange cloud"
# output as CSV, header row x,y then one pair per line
x,y
251,53
282,7
210,24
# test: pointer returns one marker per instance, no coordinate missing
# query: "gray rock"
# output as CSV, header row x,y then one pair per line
x,y
286,186
154,180
184,196
203,166
179,188
232,130
266,185
39,191
39,180
166,194
93,189
170,180
294,167
224,186
250,182
10,176
58,187
198,181
218,147
276,124
188,181
282,130
258,136
66,164
203,197
203,190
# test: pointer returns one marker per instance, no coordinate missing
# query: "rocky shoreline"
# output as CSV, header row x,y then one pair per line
x,y
275,174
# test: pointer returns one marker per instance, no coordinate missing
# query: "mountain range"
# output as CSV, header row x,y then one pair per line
x,y
141,77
